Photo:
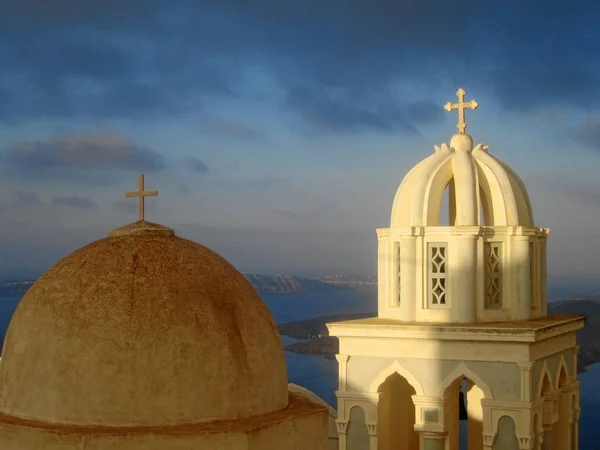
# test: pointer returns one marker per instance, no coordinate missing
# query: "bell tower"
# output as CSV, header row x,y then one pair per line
x,y
462,317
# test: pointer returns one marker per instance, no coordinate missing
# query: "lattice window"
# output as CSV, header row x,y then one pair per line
x,y
493,275
438,270
398,277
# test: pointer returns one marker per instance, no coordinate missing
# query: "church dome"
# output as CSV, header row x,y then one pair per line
x,y
482,189
142,328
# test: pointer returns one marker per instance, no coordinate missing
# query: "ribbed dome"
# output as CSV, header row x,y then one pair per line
x,y
477,181
142,328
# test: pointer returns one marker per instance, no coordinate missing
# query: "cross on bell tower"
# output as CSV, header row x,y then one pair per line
x,y
142,194
461,106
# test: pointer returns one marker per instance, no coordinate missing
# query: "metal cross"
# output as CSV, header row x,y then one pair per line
x,y
461,106
142,194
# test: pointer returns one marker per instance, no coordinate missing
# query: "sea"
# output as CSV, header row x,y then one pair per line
x,y
320,375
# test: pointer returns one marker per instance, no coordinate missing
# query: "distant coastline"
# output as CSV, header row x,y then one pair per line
x,y
263,283
316,340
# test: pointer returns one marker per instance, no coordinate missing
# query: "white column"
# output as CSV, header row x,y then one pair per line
x,y
385,277
342,371
342,427
408,278
372,427
522,277
525,368
462,273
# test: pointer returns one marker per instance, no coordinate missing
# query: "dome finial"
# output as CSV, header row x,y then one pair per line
x,y
461,106
142,194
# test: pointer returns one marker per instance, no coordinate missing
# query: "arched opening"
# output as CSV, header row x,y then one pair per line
x,y
485,209
396,415
447,215
561,429
465,422
506,436
357,433
545,391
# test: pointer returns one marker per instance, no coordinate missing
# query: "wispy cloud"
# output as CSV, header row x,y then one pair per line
x,y
195,164
80,153
75,202
26,198
221,126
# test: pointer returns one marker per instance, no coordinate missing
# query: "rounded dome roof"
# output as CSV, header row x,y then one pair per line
x,y
478,182
142,328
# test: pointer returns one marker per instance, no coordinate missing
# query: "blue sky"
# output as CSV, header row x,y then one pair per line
x,y
278,131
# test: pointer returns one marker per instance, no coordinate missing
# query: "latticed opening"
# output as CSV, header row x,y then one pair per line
x,y
493,275
437,255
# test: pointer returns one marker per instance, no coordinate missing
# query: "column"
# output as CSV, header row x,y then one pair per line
x,y
385,276
522,276
342,427
408,277
488,441
372,427
342,371
525,368
525,442
433,440
463,278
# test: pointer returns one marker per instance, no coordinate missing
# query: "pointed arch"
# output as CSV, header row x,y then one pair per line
x,y
462,370
544,373
562,366
396,367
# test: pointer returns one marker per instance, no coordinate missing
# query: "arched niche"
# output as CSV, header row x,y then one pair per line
x,y
396,415
506,436
357,432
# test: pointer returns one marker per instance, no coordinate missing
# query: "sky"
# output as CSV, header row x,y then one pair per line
x,y
277,132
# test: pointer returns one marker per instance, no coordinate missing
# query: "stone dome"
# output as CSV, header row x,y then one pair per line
x,y
480,185
142,328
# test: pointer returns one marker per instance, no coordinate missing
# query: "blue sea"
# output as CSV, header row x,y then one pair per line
x,y
320,375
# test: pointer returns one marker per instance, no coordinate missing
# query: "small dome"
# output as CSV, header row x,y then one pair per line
x,y
142,328
477,181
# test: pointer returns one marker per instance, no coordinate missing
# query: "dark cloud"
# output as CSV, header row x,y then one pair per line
x,y
195,164
75,202
226,127
588,133
336,63
183,189
26,198
80,153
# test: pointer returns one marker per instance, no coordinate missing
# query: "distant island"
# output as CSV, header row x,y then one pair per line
x,y
264,284
318,342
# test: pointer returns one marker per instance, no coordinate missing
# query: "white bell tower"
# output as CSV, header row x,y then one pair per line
x,y
487,265
461,308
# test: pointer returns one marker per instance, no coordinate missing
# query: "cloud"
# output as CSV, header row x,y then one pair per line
x,y
334,63
588,133
132,207
266,182
228,128
75,202
26,198
194,164
56,156
183,189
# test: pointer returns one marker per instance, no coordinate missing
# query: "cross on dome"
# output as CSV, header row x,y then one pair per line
x,y
142,194
461,106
